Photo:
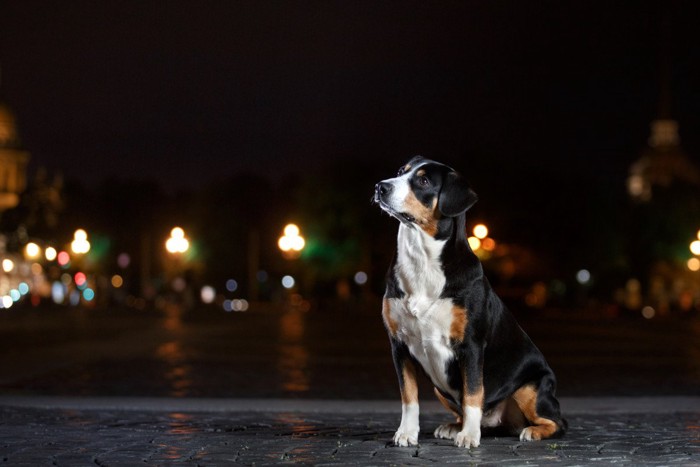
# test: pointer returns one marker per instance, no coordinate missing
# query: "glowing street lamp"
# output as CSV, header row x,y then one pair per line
x,y
291,243
32,250
480,231
695,247
480,242
80,244
177,243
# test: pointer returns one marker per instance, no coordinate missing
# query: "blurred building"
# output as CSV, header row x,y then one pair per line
x,y
663,163
664,184
13,161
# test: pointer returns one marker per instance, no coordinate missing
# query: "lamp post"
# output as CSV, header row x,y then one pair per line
x,y
177,243
291,243
80,244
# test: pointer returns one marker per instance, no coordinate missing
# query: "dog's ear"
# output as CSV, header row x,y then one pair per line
x,y
456,197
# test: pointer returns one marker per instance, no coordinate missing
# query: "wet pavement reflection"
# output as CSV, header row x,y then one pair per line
x,y
306,350
293,355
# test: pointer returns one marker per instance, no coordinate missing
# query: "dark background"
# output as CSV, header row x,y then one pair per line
x,y
188,94
244,115
231,119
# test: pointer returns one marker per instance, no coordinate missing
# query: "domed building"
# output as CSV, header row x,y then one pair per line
x,y
13,161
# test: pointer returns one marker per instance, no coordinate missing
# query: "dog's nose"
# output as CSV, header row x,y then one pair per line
x,y
382,188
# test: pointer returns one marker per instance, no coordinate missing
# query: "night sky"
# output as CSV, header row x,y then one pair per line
x,y
192,92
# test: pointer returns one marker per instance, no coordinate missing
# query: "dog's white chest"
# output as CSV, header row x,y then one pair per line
x,y
418,268
424,319
427,336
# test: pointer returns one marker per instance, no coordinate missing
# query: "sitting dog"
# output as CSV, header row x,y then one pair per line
x,y
442,316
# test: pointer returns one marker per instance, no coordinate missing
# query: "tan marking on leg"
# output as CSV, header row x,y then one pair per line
x,y
426,216
390,324
409,388
526,398
475,399
459,323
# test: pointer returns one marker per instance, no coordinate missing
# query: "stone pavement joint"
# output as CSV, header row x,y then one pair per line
x,y
113,437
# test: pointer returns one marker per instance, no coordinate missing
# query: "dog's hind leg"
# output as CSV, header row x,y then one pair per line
x,y
541,409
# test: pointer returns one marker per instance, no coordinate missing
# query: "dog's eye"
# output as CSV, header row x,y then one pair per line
x,y
423,181
401,171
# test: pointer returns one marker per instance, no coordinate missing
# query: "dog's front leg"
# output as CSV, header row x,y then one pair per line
x,y
472,400
407,434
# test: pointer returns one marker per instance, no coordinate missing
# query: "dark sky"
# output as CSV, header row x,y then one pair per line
x,y
190,92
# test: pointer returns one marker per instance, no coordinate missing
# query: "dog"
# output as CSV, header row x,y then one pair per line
x,y
443,317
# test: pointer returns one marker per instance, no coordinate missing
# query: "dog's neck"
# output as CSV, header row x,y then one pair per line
x,y
419,268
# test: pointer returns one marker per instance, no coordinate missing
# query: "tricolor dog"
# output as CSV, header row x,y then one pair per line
x,y
443,317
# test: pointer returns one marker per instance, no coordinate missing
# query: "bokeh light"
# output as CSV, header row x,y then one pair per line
x,y
177,243
63,258
231,285
117,281
32,250
648,312
80,279
583,276
695,247
360,278
50,253
288,282
58,292
694,264
291,230
88,294
8,265
80,244
480,231
239,305
123,260
291,241
15,295
474,243
208,294
488,244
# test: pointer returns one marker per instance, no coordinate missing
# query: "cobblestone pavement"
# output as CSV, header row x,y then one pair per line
x,y
74,436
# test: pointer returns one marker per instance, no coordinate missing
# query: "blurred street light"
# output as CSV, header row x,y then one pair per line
x,y
474,243
695,247
8,265
480,243
291,243
50,253
32,250
177,243
80,244
480,231
694,264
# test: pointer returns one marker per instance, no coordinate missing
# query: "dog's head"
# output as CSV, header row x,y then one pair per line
x,y
423,193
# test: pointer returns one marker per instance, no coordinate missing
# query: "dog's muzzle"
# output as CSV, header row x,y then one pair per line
x,y
381,191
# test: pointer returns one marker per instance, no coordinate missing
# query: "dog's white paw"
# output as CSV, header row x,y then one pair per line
x,y
447,431
530,434
467,439
406,438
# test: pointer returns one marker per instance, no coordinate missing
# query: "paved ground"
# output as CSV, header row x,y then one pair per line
x,y
73,381
37,431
